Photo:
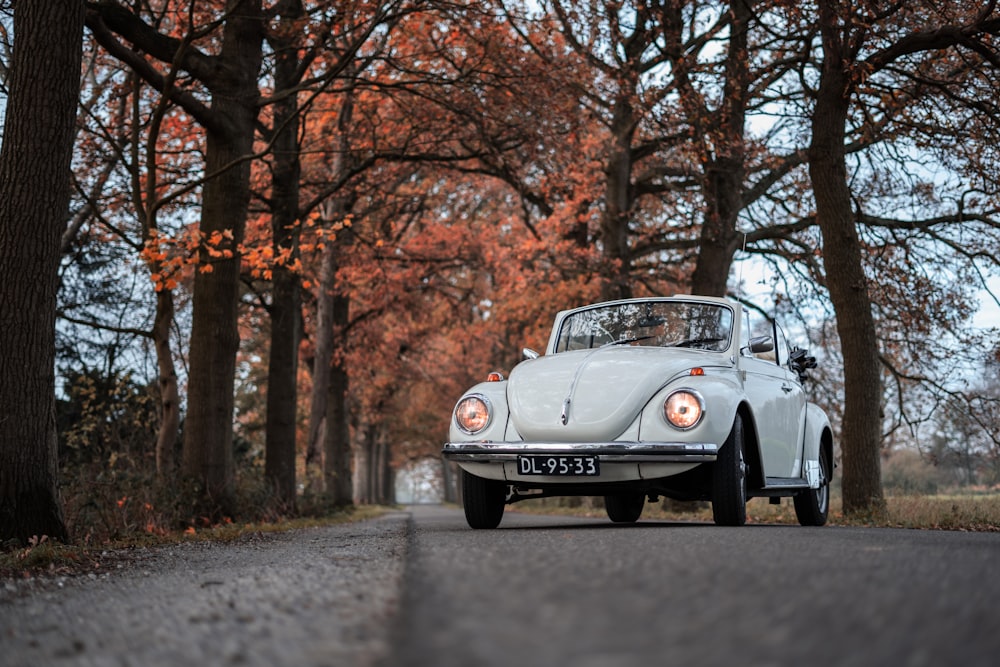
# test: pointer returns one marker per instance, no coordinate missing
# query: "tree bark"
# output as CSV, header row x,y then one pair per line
x,y
208,431
335,212
719,238
323,352
170,407
845,277
338,451
618,200
286,295
44,83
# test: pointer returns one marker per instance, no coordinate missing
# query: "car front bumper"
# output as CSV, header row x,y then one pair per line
x,y
607,452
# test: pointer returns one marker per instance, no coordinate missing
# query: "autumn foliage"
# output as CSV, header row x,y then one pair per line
x,y
426,184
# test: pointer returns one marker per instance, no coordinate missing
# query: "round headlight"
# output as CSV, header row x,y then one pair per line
x,y
472,414
683,409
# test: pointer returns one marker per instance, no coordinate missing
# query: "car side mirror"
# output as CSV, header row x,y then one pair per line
x,y
760,344
529,353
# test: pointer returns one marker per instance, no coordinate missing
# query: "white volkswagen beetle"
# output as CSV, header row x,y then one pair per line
x,y
641,398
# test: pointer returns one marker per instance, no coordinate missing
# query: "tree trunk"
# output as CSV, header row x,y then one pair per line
x,y
370,465
846,281
382,472
616,257
208,432
719,239
170,408
335,212
44,83
282,385
322,353
363,488
337,468
377,461
146,202
286,298
722,183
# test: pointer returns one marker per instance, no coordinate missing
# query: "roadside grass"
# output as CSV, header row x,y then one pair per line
x,y
112,514
979,512
957,511
44,557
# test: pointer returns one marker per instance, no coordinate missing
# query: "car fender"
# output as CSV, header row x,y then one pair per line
x,y
721,397
495,393
817,424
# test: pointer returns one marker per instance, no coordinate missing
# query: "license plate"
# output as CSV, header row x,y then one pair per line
x,y
561,465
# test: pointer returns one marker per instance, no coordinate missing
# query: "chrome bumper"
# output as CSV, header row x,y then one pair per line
x,y
610,452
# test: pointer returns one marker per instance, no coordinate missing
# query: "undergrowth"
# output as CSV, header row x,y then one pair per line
x,y
114,513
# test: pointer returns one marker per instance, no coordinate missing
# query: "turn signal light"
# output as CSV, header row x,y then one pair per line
x,y
697,371
494,377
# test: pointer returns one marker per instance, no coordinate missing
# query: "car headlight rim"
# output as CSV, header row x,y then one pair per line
x,y
684,409
473,414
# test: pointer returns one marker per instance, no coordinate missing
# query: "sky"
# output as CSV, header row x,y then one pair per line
x,y
989,312
754,273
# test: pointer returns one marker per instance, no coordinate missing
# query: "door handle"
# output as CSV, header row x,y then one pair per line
x,y
785,388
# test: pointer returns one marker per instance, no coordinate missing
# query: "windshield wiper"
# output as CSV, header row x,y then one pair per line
x,y
690,342
626,341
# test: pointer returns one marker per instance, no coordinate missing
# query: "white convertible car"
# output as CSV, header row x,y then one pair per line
x,y
674,396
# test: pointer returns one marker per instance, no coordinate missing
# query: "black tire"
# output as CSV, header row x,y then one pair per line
x,y
624,507
483,500
813,506
729,480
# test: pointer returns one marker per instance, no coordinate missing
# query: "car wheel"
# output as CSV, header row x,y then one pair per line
x,y
483,500
813,506
624,507
729,480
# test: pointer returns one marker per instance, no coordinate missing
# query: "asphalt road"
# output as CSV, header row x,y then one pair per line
x,y
588,593
418,587
314,597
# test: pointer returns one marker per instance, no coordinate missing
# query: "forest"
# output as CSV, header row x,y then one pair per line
x,y
252,251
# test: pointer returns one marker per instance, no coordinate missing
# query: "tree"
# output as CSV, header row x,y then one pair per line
x,y
286,293
610,60
719,141
851,53
34,201
231,77
846,281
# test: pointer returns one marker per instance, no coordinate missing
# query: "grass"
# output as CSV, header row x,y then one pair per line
x,y
960,512
43,557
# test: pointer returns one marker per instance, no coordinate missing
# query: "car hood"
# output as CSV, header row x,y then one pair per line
x,y
590,395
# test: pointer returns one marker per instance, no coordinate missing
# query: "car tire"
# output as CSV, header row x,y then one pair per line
x,y
483,500
729,480
813,506
624,507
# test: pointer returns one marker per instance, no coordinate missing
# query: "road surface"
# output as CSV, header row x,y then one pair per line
x,y
551,591
417,587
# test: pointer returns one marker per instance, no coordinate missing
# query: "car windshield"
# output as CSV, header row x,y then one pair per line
x,y
702,326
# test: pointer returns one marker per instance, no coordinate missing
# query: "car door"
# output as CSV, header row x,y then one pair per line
x,y
778,403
